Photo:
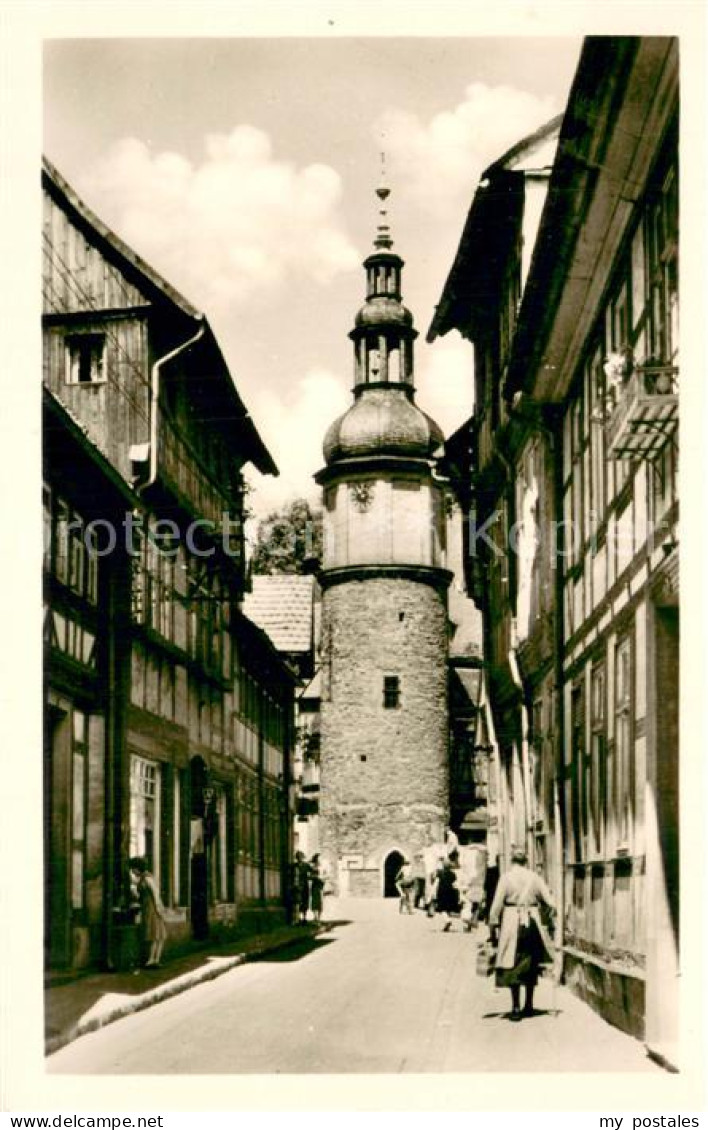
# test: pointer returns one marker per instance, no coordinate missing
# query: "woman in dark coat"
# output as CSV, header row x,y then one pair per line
x,y
447,898
301,885
515,922
317,882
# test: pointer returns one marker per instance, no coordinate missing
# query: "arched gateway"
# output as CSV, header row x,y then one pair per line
x,y
392,866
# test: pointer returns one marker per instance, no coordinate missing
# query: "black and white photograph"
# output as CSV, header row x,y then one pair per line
x,y
357,740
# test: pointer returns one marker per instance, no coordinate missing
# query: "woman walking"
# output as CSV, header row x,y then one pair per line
x,y
152,911
301,885
447,897
405,885
523,941
317,882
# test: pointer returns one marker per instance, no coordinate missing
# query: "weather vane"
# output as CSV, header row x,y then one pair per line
x,y
383,232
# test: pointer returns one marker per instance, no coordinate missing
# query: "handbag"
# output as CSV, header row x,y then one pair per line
x,y
486,960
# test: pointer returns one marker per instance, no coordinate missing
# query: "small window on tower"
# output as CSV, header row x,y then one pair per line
x,y
84,359
392,692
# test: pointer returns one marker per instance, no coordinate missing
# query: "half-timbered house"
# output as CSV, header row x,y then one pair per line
x,y
169,715
572,500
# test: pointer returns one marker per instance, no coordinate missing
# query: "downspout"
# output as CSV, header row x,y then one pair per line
x,y
121,767
154,401
525,727
513,661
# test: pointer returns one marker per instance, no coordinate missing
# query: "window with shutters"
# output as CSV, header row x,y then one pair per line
x,y
598,760
624,754
219,847
578,770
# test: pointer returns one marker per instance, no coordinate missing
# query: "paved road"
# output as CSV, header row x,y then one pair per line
x,y
379,993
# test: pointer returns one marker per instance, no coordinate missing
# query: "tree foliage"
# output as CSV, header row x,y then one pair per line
x,y
289,540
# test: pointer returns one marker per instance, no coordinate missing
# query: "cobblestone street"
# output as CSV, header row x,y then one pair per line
x,y
379,993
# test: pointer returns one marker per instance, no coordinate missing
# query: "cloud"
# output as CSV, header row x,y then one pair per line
x,y
439,162
445,380
236,224
445,385
319,397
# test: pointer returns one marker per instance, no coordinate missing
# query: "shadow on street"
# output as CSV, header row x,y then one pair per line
x,y
294,952
67,1003
505,1014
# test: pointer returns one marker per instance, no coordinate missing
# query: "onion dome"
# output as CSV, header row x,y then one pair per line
x,y
383,311
384,419
383,422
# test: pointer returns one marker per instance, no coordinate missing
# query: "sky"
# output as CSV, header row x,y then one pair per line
x,y
244,170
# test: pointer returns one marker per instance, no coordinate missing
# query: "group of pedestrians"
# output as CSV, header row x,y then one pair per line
x,y
308,886
439,882
520,911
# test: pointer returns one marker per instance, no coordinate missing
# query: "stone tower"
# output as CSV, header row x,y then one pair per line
x,y
384,726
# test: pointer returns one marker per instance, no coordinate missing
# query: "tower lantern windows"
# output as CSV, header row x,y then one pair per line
x,y
374,364
394,365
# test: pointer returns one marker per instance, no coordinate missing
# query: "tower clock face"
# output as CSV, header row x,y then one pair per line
x,y
362,494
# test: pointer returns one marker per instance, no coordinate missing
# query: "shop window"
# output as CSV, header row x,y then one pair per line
x,y
177,839
78,809
145,812
85,359
219,847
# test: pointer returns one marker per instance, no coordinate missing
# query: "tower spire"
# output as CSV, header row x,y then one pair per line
x,y
383,232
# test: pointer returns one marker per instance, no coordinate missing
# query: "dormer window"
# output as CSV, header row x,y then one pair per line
x,y
85,359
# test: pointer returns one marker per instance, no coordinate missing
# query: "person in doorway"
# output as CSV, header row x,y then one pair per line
x,y
419,880
152,911
301,886
515,924
405,885
447,897
317,885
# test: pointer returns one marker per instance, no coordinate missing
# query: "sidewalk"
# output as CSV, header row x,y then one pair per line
x,y
95,999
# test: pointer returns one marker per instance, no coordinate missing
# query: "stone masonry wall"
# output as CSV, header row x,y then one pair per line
x,y
384,778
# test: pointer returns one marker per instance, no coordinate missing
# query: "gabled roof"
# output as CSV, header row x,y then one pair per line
x,y
282,605
155,287
489,233
131,263
516,157
622,106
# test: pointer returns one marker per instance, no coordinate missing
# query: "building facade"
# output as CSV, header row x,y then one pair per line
x,y
287,607
384,691
169,716
573,478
